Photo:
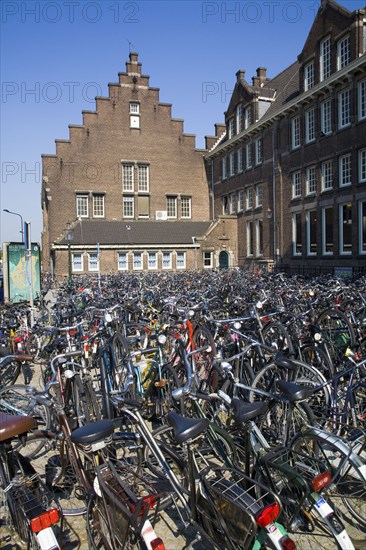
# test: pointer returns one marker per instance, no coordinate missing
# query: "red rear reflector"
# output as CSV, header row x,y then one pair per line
x,y
265,319
268,514
157,544
44,520
148,501
73,332
288,544
320,481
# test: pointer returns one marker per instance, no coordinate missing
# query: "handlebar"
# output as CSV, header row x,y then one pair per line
x,y
185,390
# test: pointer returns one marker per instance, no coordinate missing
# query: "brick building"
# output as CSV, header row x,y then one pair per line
x,y
282,182
291,162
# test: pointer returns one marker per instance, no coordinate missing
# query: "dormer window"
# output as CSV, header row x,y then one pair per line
x,y
309,80
343,52
325,65
134,114
248,117
231,128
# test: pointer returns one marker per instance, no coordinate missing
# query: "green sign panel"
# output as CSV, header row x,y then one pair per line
x,y
19,272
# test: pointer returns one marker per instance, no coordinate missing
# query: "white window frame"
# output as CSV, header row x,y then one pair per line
x,y
152,260
258,151
143,178
207,259
171,206
186,207
258,238
128,205
344,108
231,163
310,125
309,76
128,183
98,207
180,260
248,156
249,198
326,116
295,132
325,58
326,171
76,263
166,259
361,100
296,184
82,201
239,118
120,264
239,160
223,168
309,214
326,252
342,250
247,117
230,128
294,234
250,239
134,108
345,170
138,261
258,196
240,200
310,180
361,228
362,166
343,52
93,261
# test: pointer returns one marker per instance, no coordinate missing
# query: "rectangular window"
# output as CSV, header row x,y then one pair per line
x,y
259,237
232,202
128,207
152,261
231,163
362,226
296,184
239,118
249,198
181,260
240,201
258,196
225,205
248,117
239,157
325,59
309,76
223,168
134,108
231,128
98,206
345,170
208,260
362,165
327,231
250,239
345,228
327,175
362,100
296,234
127,174
82,210
258,151
310,180
310,125
143,178
137,260
295,132
77,262
248,155
167,260
344,108
122,261
326,116
186,207
143,206
171,207
93,261
311,232
343,52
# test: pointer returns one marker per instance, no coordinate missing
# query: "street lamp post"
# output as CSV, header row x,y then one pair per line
x,y
21,221
69,237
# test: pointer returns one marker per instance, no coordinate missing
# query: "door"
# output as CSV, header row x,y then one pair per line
x,y
223,260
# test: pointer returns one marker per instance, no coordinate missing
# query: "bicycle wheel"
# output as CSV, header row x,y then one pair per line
x,y
348,490
202,337
167,403
316,357
17,400
337,332
120,366
274,334
9,372
299,373
50,461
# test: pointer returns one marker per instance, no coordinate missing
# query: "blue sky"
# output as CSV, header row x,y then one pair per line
x,y
56,56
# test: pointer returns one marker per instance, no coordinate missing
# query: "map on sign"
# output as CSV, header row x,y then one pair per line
x,y
19,276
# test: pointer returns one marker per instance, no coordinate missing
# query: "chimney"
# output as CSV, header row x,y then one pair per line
x,y
133,67
240,75
261,76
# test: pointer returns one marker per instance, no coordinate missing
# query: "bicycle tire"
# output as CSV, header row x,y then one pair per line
x,y
104,382
9,373
275,334
350,488
17,400
120,368
338,333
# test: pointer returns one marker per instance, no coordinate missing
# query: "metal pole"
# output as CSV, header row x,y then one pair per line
x,y
21,221
29,272
69,261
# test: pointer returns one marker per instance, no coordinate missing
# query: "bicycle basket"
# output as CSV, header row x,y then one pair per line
x,y
235,502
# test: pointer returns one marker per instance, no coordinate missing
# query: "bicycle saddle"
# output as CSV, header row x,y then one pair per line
x,y
92,432
11,426
186,428
294,392
245,411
